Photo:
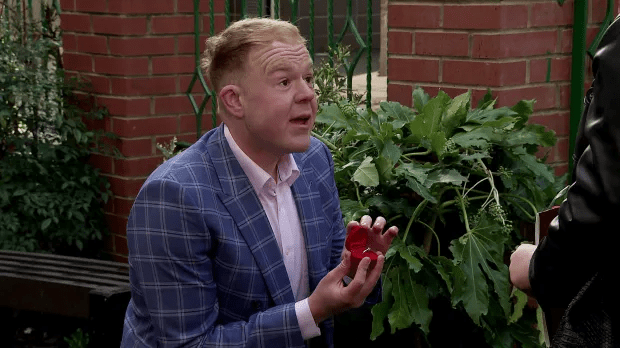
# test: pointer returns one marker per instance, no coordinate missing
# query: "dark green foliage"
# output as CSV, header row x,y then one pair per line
x,y
458,181
50,198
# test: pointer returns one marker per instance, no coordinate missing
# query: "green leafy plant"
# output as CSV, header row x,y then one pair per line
x,y
51,199
458,181
78,339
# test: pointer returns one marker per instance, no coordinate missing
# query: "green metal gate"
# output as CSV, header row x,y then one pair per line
x,y
365,45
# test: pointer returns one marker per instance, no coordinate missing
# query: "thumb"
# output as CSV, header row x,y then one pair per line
x,y
344,266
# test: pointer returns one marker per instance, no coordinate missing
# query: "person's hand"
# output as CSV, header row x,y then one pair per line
x,y
520,265
377,240
331,296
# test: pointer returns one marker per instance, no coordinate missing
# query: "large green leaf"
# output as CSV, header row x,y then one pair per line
x,y
479,255
367,174
410,301
456,113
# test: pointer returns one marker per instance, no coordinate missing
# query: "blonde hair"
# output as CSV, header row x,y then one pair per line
x,y
227,51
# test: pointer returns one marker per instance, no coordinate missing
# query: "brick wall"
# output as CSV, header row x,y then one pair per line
x,y
139,57
508,47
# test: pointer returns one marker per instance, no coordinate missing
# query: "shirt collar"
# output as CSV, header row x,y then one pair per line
x,y
259,178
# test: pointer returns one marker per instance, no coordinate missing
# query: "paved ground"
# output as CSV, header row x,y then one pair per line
x,y
378,92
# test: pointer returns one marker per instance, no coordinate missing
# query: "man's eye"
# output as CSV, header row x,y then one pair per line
x,y
310,80
284,83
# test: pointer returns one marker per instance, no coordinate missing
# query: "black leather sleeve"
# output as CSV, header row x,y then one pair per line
x,y
583,239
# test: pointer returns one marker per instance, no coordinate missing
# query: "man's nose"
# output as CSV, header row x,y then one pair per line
x,y
305,92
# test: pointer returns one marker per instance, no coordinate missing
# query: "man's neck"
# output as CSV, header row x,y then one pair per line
x,y
268,162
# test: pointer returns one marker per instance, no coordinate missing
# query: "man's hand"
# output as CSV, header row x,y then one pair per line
x,y
377,240
331,296
520,265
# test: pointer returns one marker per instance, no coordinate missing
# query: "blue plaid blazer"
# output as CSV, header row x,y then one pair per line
x,y
205,267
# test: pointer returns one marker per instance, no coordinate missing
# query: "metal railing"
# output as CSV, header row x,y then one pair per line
x,y
365,44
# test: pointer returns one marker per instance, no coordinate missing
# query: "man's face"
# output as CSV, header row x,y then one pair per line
x,y
279,105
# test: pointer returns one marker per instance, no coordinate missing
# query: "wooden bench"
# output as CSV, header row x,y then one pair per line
x,y
68,286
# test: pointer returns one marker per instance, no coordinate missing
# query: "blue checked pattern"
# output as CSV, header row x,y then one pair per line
x,y
205,267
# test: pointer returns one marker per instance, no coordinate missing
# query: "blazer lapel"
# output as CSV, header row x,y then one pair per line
x,y
245,208
310,209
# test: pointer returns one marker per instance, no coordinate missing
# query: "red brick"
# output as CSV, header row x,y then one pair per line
x,y
136,166
441,44
557,122
173,65
561,153
118,106
139,127
187,123
597,10
545,96
140,7
415,70
67,5
90,6
549,14
92,44
125,187
69,42
560,169
414,16
120,245
400,42
400,93
514,45
77,62
484,73
104,163
97,84
558,70
188,6
172,24
172,105
117,224
469,16
141,46
220,23
122,206
135,147
565,96
76,22
122,66
144,86
119,25
197,88
119,258
186,44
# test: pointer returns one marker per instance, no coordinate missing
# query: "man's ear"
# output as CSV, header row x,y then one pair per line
x,y
231,100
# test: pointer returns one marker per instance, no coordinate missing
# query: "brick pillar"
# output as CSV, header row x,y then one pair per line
x,y
508,47
139,57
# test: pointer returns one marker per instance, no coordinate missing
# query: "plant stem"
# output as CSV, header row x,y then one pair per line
x,y
414,217
325,141
462,204
430,232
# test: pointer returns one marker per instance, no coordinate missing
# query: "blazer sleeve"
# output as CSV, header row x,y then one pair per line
x,y
582,239
174,294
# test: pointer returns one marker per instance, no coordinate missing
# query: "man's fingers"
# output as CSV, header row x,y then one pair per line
x,y
379,224
366,221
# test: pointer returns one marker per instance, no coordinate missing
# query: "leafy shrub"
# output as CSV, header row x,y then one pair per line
x,y
459,182
50,198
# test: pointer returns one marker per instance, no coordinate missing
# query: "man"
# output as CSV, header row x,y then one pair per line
x,y
575,266
238,241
